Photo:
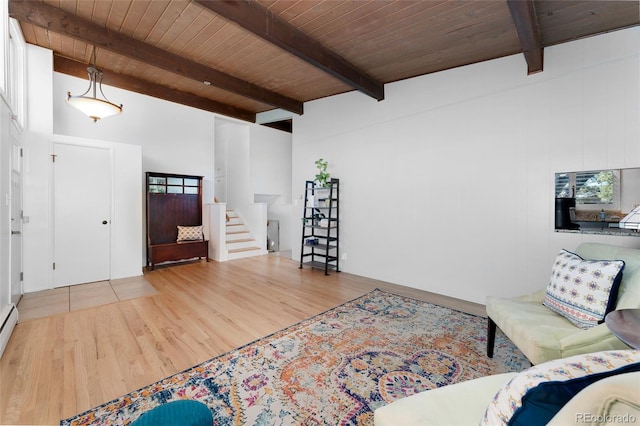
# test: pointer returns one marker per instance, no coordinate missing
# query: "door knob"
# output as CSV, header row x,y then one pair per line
x,y
104,222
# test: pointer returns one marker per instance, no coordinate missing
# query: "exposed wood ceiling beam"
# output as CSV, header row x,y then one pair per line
x,y
262,22
526,23
284,125
79,69
56,20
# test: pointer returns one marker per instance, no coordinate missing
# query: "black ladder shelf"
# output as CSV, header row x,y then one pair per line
x,y
321,227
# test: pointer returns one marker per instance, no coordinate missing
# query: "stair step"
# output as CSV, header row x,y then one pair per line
x,y
238,250
240,240
237,232
235,224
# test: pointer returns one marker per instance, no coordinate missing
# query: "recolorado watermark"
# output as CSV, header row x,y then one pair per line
x,y
605,418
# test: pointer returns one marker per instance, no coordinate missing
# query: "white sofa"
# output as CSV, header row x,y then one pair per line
x,y
605,401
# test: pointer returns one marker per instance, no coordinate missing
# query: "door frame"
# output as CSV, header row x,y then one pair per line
x,y
52,220
17,156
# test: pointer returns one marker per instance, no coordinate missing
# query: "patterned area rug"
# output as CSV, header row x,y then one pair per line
x,y
334,368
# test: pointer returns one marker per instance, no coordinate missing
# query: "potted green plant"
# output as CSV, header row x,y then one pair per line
x,y
322,177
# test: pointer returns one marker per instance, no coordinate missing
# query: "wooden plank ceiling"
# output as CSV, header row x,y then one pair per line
x,y
240,58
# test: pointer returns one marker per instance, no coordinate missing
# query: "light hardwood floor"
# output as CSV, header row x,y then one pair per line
x,y
58,366
66,299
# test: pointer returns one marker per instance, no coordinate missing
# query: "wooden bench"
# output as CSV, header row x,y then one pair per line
x,y
182,250
172,201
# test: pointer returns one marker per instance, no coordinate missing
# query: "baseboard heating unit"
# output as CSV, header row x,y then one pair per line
x,y
8,323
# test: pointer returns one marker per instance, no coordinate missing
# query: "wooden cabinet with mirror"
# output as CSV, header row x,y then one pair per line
x,y
174,218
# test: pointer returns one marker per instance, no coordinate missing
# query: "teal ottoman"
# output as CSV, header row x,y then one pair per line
x,y
177,413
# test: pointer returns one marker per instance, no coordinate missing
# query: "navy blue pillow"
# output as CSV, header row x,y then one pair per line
x,y
542,402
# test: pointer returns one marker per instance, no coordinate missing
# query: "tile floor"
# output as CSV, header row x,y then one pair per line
x,y
66,299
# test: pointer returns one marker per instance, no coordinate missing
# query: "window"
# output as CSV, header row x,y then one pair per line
x,y
173,185
598,189
4,34
16,67
12,65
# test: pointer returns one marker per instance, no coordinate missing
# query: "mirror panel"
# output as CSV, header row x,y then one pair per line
x,y
594,201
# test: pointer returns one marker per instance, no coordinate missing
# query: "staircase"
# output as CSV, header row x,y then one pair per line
x,y
239,241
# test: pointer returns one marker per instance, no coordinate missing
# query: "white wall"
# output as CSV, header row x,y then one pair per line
x,y
239,196
253,165
629,189
236,137
447,184
127,209
172,138
221,141
150,135
271,177
5,211
37,249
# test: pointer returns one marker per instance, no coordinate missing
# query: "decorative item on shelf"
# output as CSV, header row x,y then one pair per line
x,y
311,201
92,106
324,223
322,177
602,215
318,217
312,241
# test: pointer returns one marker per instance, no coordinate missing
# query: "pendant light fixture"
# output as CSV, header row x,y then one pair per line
x,y
91,105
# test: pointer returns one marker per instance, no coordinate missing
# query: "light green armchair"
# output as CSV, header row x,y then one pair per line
x,y
543,335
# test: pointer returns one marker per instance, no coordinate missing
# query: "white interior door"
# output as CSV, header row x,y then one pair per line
x,y
16,220
82,210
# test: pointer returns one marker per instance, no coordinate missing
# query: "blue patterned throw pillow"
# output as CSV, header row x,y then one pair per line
x,y
583,291
536,395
